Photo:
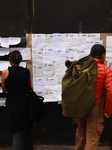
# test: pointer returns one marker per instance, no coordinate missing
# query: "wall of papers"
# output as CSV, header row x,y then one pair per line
x,y
45,56
49,52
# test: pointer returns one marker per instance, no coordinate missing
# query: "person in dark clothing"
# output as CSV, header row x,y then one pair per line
x,y
16,82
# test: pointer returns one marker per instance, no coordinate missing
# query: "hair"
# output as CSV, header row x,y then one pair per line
x,y
15,57
97,51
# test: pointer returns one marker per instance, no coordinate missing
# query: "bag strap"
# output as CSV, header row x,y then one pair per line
x,y
100,94
87,71
103,93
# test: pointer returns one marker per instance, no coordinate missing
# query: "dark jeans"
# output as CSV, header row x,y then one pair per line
x,y
22,141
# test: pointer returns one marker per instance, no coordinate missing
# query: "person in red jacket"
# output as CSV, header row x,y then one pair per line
x,y
91,127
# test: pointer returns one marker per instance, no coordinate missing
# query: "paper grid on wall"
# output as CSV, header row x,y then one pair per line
x,y
49,52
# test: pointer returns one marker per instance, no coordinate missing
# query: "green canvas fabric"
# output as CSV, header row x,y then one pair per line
x,y
78,88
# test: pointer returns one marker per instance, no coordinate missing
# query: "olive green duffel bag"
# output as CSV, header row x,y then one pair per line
x,y
78,88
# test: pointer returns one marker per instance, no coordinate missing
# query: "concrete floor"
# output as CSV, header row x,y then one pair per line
x,y
54,147
57,147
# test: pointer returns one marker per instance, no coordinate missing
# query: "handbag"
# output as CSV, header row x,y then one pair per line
x,y
36,106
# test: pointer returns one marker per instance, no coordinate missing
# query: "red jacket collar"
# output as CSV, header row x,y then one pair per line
x,y
99,60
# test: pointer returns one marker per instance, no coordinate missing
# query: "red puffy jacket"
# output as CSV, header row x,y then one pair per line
x,y
104,79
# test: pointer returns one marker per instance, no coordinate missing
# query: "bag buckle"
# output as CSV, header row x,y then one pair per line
x,y
79,72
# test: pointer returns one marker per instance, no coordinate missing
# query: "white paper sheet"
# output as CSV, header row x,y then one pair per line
x,y
80,41
60,67
4,51
51,96
59,92
51,83
37,57
71,40
38,69
48,55
60,77
14,40
25,52
72,58
82,54
4,65
83,35
40,93
49,70
5,42
109,49
97,42
49,40
23,64
15,48
109,62
71,54
83,51
1,89
38,41
2,101
59,40
71,51
109,54
93,36
60,53
39,84
109,42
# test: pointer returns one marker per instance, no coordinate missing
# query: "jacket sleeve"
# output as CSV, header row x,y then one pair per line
x,y
108,86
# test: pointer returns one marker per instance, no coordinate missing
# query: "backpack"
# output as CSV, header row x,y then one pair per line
x,y
78,88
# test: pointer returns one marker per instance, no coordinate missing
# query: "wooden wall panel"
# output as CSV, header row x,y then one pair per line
x,y
29,62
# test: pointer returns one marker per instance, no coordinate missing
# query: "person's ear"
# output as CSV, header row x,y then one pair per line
x,y
103,56
10,61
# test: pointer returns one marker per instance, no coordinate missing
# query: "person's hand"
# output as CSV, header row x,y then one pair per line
x,y
107,115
